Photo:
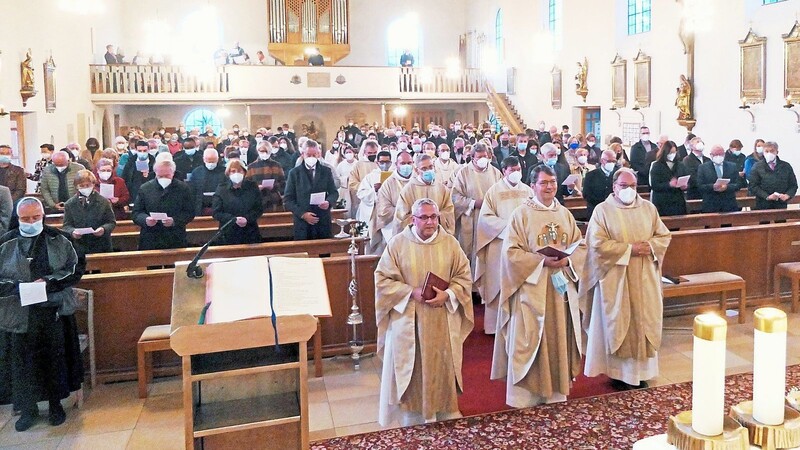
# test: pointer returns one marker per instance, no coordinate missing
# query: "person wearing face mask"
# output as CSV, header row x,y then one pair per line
x,y
683,149
138,170
120,197
169,196
186,160
626,243
718,195
437,137
692,162
261,172
382,225
598,184
79,156
334,154
500,201
458,151
581,168
469,189
527,158
57,182
342,172
503,148
538,339
46,153
369,187
550,158
365,165
423,184
666,193
88,209
445,167
11,176
204,181
594,150
247,153
123,153
772,180
238,199
734,154
753,158
311,221
641,152
42,359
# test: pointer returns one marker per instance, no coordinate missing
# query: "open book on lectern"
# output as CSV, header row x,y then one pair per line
x,y
240,289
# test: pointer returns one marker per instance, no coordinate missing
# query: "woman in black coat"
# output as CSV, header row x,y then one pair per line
x,y
668,198
240,200
88,209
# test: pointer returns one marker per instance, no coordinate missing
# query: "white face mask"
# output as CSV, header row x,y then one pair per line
x,y
236,177
122,146
671,157
645,138
211,166
61,169
759,150
263,155
349,156
627,195
402,145
104,175
482,163
284,146
311,161
164,182
85,191
699,146
717,159
515,177
769,157
609,166
444,155
582,159
416,147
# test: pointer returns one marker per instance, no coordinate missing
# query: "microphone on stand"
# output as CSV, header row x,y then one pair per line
x,y
195,271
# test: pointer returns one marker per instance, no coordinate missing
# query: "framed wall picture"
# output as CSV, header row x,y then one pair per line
x,y
753,79
791,63
555,89
50,85
619,82
641,79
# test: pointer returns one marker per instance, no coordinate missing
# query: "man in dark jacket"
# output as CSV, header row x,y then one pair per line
x,y
170,201
187,159
692,162
204,181
718,196
311,221
599,183
772,180
39,341
642,154
139,170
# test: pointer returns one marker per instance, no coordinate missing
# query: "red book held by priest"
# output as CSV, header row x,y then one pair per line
x,y
432,280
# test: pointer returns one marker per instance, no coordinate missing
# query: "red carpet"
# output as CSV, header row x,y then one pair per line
x,y
482,395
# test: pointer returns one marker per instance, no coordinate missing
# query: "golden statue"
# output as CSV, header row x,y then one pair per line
x,y
26,69
684,100
583,68
311,131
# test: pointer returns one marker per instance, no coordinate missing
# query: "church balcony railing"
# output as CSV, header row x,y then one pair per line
x,y
164,84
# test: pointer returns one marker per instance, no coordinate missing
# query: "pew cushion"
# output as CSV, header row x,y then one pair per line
x,y
700,283
155,333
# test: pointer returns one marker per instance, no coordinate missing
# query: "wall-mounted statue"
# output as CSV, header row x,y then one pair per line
x,y
580,79
27,89
684,104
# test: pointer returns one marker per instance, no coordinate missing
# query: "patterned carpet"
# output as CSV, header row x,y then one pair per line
x,y
613,421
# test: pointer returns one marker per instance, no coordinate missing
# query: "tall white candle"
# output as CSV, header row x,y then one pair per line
x,y
708,374
769,365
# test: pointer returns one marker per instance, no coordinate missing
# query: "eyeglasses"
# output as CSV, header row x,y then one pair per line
x,y
625,186
427,218
548,183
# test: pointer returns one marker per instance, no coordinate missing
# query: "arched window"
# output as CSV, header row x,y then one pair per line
x,y
499,45
200,118
404,34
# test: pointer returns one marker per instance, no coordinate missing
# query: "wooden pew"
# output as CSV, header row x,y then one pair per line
x,y
739,218
577,205
124,261
125,303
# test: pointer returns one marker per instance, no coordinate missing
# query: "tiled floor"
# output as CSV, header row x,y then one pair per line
x,y
342,402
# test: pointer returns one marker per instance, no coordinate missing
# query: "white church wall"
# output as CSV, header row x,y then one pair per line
x,y
597,29
71,37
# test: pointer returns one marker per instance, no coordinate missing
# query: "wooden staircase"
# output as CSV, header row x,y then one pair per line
x,y
505,111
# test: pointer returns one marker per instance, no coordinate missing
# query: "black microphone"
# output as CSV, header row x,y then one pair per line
x,y
195,271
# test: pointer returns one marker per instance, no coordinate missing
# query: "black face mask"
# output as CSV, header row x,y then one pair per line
x,y
372,158
504,143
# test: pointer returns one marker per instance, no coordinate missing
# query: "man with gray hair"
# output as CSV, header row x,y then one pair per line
x,y
163,208
204,181
422,326
424,185
772,180
57,182
310,194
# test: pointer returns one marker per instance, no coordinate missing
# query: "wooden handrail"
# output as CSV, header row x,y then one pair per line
x,y
505,115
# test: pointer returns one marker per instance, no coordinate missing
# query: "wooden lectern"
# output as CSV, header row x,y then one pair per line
x,y
240,390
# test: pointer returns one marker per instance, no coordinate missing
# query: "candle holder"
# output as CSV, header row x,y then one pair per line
x,y
355,319
769,437
681,435
343,223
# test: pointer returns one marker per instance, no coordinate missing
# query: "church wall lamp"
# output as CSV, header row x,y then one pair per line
x,y
638,109
619,116
746,108
789,107
3,111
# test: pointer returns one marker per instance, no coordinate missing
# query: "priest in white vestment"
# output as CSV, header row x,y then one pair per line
x,y
445,167
365,165
383,224
369,187
469,188
500,201
420,339
538,339
621,285
425,185
343,170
